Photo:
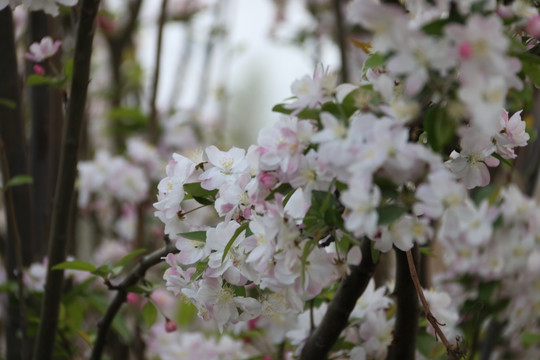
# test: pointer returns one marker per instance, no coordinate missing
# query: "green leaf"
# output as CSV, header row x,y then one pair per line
x,y
305,253
438,351
75,265
373,61
68,69
440,129
129,256
119,325
19,180
36,79
203,201
349,104
374,253
529,338
186,314
194,235
532,71
128,119
199,270
149,313
426,251
486,290
195,189
8,103
103,270
238,231
390,213
387,187
488,192
307,113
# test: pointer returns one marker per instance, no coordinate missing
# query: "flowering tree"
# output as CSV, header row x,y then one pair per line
x,y
285,244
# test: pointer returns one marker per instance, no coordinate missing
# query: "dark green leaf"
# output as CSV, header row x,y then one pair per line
x,y
237,233
194,235
390,213
203,201
440,129
75,265
374,253
532,71
304,114
19,180
486,290
387,187
149,313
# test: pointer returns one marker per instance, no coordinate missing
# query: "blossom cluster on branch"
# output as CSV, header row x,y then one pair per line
x,y
389,159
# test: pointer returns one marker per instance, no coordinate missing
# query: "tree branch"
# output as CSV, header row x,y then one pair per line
x,y
131,279
65,184
337,316
152,119
341,36
404,344
12,134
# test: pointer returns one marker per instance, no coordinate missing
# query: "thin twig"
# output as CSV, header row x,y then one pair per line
x,y
341,40
18,252
131,279
65,185
454,353
152,119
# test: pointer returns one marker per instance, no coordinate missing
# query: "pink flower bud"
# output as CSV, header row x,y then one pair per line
x,y
465,51
267,357
252,324
533,26
132,298
39,70
170,326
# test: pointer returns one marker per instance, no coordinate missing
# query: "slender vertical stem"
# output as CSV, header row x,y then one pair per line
x,y
18,252
65,185
341,40
404,344
12,133
40,144
153,119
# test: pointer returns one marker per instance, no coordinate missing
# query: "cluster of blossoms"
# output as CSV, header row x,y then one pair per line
x,y
496,243
343,163
463,67
48,6
108,180
124,178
